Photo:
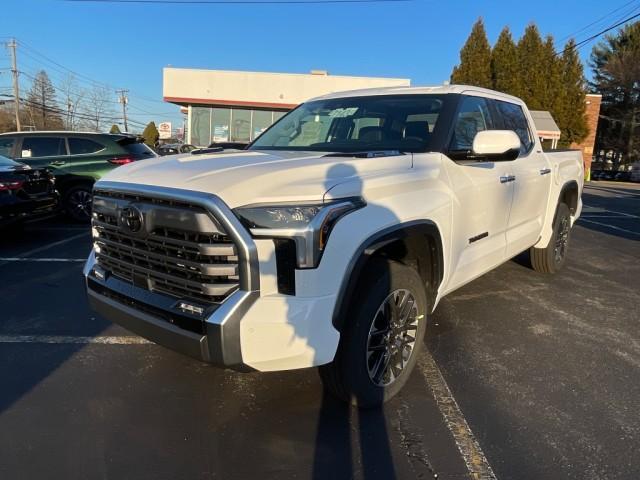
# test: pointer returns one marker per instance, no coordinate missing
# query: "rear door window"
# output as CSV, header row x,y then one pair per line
x,y
136,148
513,118
34,147
6,146
83,146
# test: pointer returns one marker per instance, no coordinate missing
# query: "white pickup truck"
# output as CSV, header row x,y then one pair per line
x,y
331,239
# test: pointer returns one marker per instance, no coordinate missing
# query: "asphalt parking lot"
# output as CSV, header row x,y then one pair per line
x,y
524,376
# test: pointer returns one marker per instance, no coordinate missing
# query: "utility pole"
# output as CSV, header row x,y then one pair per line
x,y
16,88
69,115
123,99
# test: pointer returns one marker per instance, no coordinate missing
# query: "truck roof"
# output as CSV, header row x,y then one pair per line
x,y
440,89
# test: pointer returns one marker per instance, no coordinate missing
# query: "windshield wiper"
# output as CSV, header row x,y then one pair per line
x,y
366,154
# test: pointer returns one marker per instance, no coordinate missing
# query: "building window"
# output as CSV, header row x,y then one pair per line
x,y
200,126
220,130
261,121
241,125
278,115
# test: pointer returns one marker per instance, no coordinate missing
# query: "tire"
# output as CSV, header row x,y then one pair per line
x,y
77,202
551,258
353,376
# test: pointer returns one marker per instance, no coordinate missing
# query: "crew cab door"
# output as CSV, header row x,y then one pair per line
x,y
532,183
482,196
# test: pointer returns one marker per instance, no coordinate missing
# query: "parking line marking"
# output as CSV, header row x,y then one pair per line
x,y
604,216
473,456
610,226
592,209
68,339
54,244
18,259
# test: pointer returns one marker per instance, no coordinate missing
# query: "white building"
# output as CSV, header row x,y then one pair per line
x,y
238,106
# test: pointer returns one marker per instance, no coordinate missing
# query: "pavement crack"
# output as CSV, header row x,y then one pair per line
x,y
412,441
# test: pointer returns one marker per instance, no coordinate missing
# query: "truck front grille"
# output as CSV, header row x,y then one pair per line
x,y
181,251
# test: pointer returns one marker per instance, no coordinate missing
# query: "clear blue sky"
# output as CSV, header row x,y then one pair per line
x,y
127,45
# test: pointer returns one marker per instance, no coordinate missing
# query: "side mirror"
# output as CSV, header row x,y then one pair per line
x,y
496,145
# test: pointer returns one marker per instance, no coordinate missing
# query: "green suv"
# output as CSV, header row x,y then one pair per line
x,y
77,160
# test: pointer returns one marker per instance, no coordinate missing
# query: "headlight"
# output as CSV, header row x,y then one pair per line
x,y
309,225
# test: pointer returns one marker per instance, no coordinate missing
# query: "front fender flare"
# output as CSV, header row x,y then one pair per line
x,y
379,240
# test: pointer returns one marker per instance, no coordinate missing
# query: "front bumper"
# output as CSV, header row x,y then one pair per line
x,y
214,339
246,332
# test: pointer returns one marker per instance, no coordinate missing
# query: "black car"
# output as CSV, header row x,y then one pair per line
x,y
24,192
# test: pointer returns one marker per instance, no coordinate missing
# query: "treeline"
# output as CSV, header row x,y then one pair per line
x,y
616,75
66,106
532,70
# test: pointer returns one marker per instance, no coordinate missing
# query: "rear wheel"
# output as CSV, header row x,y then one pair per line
x,y
77,202
551,258
382,336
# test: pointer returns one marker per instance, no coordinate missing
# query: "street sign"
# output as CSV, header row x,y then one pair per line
x,y
164,129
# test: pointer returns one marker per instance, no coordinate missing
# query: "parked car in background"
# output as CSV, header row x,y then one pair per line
x,y
76,160
25,192
622,176
635,172
174,148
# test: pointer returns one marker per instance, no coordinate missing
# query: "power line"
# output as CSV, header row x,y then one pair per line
x,y
86,78
60,91
235,2
582,43
586,27
33,71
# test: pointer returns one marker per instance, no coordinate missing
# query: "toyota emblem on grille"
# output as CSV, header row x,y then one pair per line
x,y
131,218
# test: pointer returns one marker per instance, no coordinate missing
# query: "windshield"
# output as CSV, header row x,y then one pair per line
x,y
356,124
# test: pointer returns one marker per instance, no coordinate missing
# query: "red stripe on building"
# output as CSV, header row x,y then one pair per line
x,y
230,103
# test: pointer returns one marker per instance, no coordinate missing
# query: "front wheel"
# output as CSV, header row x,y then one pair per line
x,y
382,335
551,258
78,201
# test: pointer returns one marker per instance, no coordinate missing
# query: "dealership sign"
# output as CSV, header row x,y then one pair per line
x,y
164,129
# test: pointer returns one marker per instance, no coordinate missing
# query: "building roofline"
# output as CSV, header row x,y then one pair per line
x,y
288,74
229,103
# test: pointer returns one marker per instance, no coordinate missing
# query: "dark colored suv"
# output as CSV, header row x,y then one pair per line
x,y
76,159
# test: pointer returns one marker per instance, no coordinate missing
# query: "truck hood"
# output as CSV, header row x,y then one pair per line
x,y
242,178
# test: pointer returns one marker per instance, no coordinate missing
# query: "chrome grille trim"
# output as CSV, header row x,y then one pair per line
x,y
206,267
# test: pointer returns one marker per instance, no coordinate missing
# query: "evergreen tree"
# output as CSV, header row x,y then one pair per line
x,y
475,59
574,125
151,134
530,51
616,75
42,105
115,129
505,72
552,93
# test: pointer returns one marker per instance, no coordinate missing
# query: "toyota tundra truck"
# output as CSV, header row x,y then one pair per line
x,y
331,239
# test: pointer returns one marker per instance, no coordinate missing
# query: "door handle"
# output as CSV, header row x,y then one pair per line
x,y
507,178
544,171
57,163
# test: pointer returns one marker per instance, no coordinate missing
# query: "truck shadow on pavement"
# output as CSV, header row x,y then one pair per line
x,y
334,455
43,307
